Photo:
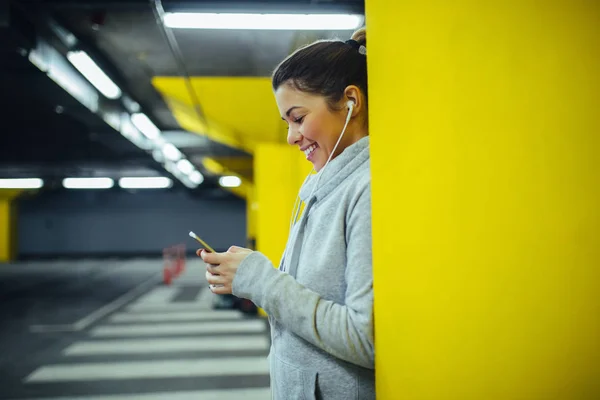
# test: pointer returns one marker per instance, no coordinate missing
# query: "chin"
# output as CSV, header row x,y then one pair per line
x,y
318,166
319,162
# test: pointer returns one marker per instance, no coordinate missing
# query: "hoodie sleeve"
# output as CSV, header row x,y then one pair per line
x,y
343,330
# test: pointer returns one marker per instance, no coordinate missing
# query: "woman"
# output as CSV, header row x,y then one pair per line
x,y
320,299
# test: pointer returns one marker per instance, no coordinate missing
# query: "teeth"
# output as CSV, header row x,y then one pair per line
x,y
310,150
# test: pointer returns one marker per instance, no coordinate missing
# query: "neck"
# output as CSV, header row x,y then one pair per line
x,y
354,134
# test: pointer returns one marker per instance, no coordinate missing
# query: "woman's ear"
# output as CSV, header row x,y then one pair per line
x,y
352,93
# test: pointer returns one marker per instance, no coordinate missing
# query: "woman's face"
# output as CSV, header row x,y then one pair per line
x,y
312,126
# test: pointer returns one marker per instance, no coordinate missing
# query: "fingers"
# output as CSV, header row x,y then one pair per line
x,y
217,284
220,289
213,269
232,249
199,251
237,249
211,258
214,279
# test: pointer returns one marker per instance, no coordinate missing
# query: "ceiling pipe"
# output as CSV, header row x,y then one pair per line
x,y
159,14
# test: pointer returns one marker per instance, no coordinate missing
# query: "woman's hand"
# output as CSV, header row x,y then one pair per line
x,y
222,267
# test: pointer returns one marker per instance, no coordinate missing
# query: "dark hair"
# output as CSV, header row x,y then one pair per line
x,y
325,67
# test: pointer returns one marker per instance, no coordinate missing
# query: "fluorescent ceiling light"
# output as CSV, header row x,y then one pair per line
x,y
88,183
129,131
263,21
144,125
71,86
113,119
24,183
151,182
185,166
50,61
94,74
171,152
188,183
131,105
172,168
158,141
230,181
196,177
158,156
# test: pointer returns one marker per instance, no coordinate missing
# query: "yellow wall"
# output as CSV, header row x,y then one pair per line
x,y
8,237
5,227
486,192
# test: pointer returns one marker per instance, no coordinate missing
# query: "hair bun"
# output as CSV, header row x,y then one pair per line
x,y
360,36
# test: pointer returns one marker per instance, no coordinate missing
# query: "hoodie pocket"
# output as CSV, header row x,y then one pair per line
x,y
291,382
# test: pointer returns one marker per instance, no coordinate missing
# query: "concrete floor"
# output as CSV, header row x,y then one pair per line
x,y
110,329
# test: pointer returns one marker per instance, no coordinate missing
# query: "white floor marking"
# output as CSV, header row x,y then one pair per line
x,y
156,346
223,394
220,327
150,369
176,316
159,295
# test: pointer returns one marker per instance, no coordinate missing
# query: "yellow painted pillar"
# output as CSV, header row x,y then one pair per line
x,y
486,193
8,225
279,171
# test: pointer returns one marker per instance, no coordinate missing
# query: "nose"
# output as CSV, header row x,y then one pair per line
x,y
294,136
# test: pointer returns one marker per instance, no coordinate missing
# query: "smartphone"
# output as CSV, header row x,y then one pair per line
x,y
202,242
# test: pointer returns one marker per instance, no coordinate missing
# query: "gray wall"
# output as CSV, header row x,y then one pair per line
x,y
88,223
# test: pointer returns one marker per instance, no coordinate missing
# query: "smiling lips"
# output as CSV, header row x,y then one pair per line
x,y
310,150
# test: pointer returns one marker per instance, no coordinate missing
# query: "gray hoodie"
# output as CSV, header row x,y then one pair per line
x,y
320,300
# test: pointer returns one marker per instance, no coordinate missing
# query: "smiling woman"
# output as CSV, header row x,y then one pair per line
x,y
313,87
320,299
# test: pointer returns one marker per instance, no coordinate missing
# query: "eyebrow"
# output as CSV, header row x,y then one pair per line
x,y
288,112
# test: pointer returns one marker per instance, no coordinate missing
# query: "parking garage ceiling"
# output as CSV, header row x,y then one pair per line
x,y
48,133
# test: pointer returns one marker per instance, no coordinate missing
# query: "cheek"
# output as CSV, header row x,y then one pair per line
x,y
311,130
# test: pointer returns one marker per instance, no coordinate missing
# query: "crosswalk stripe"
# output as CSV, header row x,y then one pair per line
x,y
177,316
150,369
225,394
156,346
159,295
219,327
206,296
167,308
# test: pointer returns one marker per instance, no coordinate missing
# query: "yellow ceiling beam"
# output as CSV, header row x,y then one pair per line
x,y
187,117
216,167
238,111
241,166
9,194
213,166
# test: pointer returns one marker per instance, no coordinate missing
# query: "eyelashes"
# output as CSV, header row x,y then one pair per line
x,y
299,120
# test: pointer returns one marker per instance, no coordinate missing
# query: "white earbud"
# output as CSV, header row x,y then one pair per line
x,y
350,105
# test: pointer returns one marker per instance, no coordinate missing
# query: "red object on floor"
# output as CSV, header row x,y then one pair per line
x,y
174,262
